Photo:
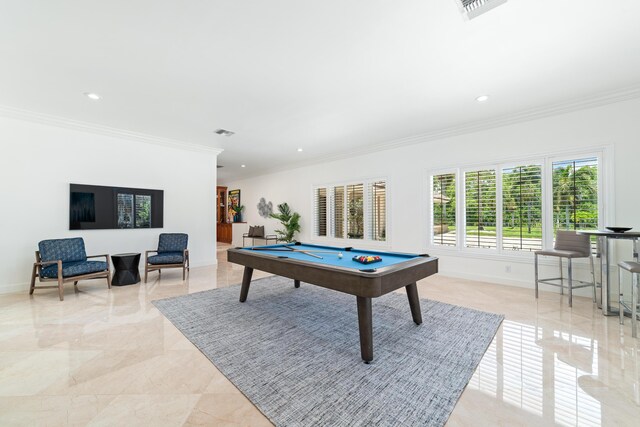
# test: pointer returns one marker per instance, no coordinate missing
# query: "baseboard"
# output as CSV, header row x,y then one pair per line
x,y
24,287
14,288
517,283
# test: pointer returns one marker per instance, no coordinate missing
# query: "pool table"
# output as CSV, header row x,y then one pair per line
x,y
322,266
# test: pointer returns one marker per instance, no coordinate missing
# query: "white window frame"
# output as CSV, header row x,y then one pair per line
x,y
462,238
512,164
449,171
345,241
606,206
602,214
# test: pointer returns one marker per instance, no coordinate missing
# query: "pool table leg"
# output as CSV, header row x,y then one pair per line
x,y
414,302
296,283
365,325
246,281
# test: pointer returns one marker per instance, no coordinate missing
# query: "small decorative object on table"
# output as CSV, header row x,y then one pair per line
x,y
618,229
367,259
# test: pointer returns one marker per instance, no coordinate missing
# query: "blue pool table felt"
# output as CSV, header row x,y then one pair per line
x,y
388,258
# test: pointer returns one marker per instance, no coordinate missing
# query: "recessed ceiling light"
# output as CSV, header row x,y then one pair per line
x,y
482,98
299,150
243,166
93,96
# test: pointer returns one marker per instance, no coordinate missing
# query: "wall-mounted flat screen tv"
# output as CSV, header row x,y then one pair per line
x,y
96,207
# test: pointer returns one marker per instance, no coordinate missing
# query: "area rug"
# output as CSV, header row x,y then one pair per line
x,y
295,353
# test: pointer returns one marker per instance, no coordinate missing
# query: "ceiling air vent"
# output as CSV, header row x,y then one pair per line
x,y
223,132
474,8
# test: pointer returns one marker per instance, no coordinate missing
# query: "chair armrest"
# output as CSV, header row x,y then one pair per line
x,y
245,234
146,255
271,236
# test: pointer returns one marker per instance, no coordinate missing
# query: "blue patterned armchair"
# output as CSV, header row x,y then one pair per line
x,y
65,260
172,252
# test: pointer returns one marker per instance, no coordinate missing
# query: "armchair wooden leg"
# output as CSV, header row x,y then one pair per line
x,y
60,288
146,273
60,282
109,279
184,271
33,280
75,283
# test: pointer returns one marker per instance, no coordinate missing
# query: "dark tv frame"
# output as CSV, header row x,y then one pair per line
x,y
100,210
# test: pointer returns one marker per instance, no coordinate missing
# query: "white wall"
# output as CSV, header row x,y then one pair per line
x,y
616,126
37,164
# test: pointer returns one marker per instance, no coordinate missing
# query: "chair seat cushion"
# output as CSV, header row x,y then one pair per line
x,y
74,268
560,253
166,258
631,266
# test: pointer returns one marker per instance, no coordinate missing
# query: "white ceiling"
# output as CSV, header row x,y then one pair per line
x,y
329,76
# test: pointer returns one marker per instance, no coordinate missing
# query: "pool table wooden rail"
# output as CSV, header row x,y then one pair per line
x,y
370,283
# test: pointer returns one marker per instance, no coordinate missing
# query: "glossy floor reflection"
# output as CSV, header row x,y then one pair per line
x,y
109,358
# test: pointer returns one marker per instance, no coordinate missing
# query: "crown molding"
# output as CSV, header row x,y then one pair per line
x,y
549,110
50,120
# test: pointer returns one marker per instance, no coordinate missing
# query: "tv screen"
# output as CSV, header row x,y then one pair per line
x,y
95,207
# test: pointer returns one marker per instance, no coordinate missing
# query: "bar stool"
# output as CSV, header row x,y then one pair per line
x,y
633,268
568,245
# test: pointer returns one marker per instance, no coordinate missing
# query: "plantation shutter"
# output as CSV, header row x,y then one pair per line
x,y
522,208
575,194
443,205
480,209
377,210
337,218
355,214
320,208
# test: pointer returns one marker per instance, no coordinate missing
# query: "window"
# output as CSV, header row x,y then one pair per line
x,y
443,205
321,208
575,194
522,208
480,209
378,210
353,211
516,207
338,212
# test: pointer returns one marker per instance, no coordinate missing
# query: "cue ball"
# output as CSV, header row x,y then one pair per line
x,y
340,255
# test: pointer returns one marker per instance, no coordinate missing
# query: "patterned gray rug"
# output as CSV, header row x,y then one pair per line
x,y
295,353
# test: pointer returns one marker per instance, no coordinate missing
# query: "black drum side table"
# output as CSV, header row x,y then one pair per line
x,y
126,266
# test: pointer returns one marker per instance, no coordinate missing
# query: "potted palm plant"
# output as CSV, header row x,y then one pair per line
x,y
290,222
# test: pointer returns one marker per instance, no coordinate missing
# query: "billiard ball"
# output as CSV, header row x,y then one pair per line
x,y
340,255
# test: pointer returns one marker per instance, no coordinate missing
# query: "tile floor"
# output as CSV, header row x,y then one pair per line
x,y
109,358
